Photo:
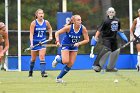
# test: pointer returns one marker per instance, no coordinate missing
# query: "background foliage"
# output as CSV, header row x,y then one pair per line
x,y
91,11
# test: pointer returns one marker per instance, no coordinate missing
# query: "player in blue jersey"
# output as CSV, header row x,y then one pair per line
x,y
38,29
70,44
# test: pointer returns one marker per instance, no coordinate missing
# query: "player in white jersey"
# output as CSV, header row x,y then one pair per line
x,y
136,33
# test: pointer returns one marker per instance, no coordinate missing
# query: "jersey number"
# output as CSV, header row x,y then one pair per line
x,y
40,33
74,40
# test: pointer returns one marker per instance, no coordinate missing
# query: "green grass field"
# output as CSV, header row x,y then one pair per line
x,y
77,81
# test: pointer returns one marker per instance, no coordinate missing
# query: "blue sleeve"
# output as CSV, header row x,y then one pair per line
x,y
122,36
93,41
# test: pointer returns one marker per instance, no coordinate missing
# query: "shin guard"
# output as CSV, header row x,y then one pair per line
x,y
102,57
113,59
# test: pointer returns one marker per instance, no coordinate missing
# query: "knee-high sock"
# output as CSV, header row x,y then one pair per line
x,y
63,71
138,59
43,66
31,66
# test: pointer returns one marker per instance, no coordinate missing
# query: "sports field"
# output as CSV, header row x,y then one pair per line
x,y
77,81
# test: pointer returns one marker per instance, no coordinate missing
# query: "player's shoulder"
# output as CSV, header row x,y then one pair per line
x,y
115,18
46,21
83,26
33,22
137,19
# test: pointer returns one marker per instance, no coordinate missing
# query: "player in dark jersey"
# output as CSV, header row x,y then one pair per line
x,y
38,29
70,44
4,43
108,30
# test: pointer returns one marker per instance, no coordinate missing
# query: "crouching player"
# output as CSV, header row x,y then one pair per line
x,y
108,30
69,51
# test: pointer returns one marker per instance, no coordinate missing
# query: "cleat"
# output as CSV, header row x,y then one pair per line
x,y
54,63
59,80
3,69
30,74
112,70
44,75
138,68
97,68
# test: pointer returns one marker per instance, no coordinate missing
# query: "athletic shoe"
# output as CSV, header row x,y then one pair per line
x,y
59,80
3,69
138,68
112,70
44,75
54,63
30,74
97,68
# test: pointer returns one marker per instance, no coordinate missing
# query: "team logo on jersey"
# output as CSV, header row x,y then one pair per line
x,y
74,39
114,25
44,28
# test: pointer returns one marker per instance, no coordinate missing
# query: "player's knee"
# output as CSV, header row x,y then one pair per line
x,y
65,61
70,64
42,57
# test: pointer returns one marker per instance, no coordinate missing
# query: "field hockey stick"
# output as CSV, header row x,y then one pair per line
x,y
54,45
41,43
129,42
126,44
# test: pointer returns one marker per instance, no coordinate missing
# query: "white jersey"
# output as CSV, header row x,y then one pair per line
x,y
137,30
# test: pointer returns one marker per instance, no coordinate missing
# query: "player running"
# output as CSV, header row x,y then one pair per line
x,y
69,52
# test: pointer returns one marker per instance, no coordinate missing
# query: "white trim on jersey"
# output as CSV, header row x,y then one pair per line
x,y
41,23
78,30
137,30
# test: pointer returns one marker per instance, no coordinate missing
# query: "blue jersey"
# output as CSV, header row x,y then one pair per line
x,y
39,34
72,37
40,30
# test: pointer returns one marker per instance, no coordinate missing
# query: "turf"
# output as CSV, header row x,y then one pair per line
x,y
77,81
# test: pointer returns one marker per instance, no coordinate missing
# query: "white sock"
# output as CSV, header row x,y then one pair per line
x,y
138,59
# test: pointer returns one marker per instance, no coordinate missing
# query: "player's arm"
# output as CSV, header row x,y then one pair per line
x,y
85,35
6,39
94,41
98,32
32,26
63,30
121,33
49,30
133,27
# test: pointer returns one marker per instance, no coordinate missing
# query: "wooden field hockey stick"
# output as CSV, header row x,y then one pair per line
x,y
29,48
54,45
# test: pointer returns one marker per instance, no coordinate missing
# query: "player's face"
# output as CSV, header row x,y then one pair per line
x,y
139,14
40,14
111,14
2,29
78,20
